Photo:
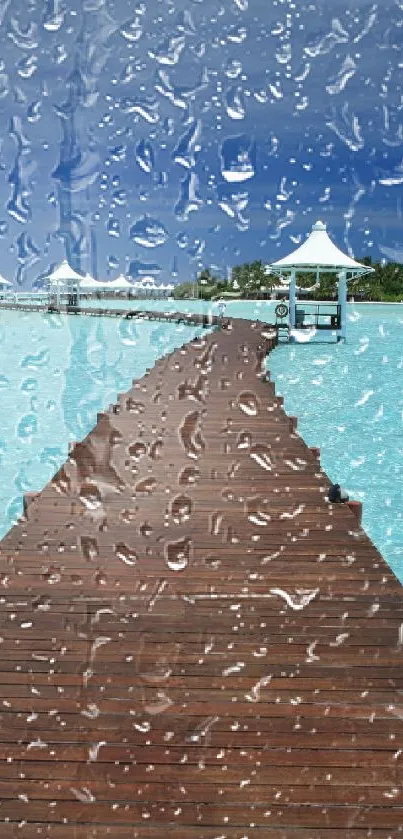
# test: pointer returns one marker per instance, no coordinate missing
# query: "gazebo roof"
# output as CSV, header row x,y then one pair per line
x,y
318,251
64,272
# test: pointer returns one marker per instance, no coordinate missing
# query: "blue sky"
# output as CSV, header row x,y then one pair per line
x,y
177,135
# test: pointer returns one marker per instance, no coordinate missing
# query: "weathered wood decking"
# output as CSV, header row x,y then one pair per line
x,y
194,643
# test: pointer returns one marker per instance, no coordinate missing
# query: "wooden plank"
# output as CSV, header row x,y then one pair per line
x,y
193,640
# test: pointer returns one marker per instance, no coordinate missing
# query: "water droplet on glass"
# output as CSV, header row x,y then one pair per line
x,y
89,547
145,156
189,476
148,232
90,496
126,554
238,159
248,403
177,554
181,509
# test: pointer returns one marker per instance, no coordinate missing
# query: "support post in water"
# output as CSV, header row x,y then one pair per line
x,y
342,301
292,298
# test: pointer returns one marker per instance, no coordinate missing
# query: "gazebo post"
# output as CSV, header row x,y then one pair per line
x,y
292,298
342,301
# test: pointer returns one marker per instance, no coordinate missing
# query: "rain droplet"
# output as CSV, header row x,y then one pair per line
x,y
125,554
177,554
237,159
145,156
189,476
89,547
248,403
181,509
262,456
190,435
27,426
90,496
147,486
148,232
137,450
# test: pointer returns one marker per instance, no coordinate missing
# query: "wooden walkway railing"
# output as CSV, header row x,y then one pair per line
x,y
194,643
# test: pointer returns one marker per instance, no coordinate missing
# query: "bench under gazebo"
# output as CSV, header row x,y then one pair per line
x,y
320,255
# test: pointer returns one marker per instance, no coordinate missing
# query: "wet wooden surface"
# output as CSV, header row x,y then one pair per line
x,y
194,643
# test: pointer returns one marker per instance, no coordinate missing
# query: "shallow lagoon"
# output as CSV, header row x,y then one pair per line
x,y
56,373
349,402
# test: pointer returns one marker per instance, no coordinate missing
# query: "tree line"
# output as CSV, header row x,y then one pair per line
x,y
251,280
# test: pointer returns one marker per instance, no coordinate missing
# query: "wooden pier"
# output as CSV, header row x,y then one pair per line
x,y
195,644
191,318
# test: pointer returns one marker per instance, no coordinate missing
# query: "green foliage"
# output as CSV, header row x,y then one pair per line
x,y
385,284
251,277
184,290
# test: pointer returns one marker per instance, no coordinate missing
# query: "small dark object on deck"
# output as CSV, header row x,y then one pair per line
x,y
337,495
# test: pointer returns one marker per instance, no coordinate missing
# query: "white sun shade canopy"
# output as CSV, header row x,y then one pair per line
x,y
120,282
88,282
3,281
64,273
318,252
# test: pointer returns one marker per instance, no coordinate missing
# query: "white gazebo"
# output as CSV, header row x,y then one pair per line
x,y
4,284
320,255
64,277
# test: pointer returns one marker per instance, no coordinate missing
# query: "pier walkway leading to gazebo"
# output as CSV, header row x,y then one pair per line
x,y
194,643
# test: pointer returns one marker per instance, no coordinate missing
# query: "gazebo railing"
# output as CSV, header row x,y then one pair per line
x,y
318,316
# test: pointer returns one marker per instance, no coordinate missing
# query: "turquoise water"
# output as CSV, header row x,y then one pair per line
x,y
349,402
56,373
235,308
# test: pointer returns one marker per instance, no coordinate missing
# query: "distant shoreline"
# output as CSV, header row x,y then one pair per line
x,y
300,301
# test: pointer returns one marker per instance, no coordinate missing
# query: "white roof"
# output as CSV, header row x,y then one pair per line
x,y
3,281
120,282
318,251
96,285
64,272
